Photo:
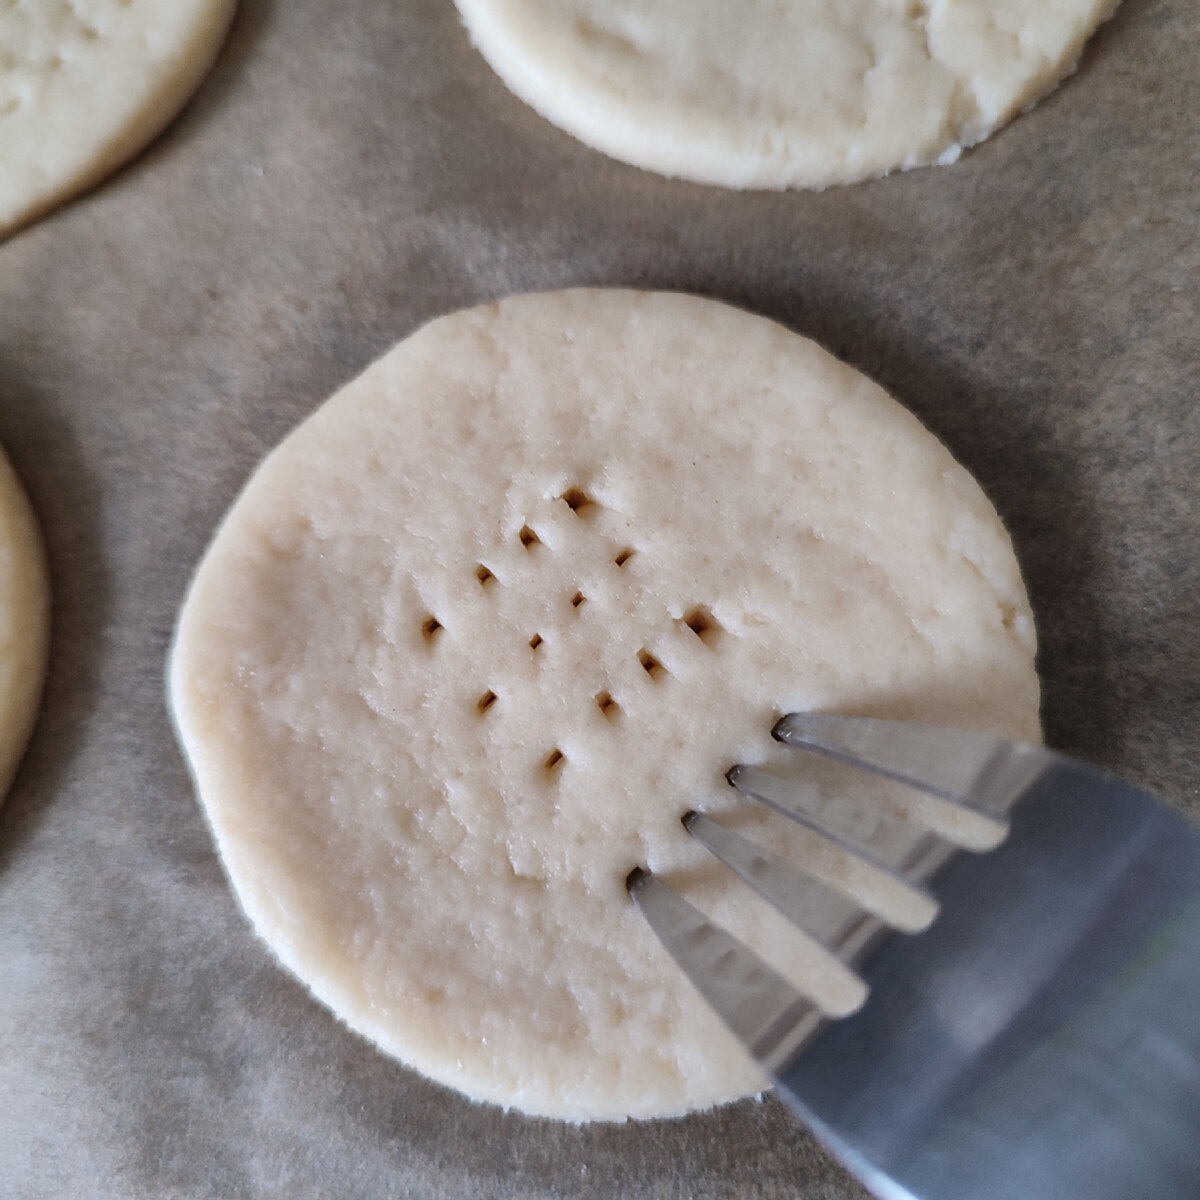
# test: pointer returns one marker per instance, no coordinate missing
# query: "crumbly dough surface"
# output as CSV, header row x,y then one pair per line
x,y
24,621
86,84
781,93
479,631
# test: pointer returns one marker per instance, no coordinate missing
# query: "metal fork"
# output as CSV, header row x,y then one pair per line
x,y
1041,1039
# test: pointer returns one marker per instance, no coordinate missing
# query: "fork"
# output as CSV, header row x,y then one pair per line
x,y
1029,1015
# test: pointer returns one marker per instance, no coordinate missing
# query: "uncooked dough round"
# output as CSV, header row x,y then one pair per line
x,y
798,93
482,628
24,622
86,84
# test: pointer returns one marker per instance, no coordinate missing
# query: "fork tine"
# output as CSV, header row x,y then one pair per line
x,y
836,863
783,886
953,822
982,773
765,1012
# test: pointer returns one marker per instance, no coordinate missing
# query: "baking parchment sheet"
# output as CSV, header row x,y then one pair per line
x,y
347,172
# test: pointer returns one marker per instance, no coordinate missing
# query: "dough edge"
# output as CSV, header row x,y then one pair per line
x,y
29,599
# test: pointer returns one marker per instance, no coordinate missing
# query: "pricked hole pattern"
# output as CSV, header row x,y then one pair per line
x,y
578,501
698,619
650,664
702,623
430,628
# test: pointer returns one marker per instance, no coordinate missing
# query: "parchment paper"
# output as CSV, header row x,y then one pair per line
x,y
349,171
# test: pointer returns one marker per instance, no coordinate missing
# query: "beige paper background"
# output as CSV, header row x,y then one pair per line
x,y
349,171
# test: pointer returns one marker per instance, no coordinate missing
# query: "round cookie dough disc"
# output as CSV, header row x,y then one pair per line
x,y
86,84
24,622
759,93
482,628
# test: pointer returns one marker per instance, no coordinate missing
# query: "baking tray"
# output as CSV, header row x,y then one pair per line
x,y
347,172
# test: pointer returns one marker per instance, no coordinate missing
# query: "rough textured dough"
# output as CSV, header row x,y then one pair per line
x,y
781,93
625,529
24,622
86,84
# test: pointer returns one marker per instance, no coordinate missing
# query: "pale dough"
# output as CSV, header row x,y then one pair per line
x,y
479,632
86,84
781,93
24,622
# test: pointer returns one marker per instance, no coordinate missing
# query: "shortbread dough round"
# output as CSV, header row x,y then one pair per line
x,y
86,84
24,621
485,625
781,93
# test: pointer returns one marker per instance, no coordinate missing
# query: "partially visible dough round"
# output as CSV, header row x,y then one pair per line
x,y
781,93
483,628
24,622
86,84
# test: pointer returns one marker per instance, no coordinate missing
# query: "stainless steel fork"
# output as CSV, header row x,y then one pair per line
x,y
1040,1040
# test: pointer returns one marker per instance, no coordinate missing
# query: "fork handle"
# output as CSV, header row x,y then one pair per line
x,y
1042,1040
